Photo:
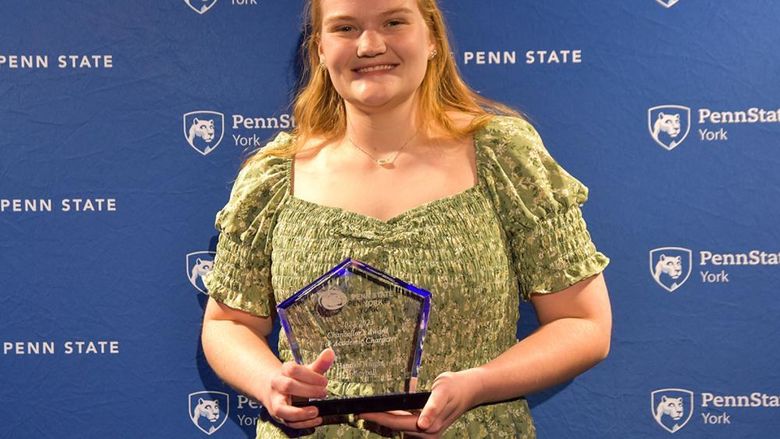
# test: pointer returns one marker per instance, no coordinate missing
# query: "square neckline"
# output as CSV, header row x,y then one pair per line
x,y
441,201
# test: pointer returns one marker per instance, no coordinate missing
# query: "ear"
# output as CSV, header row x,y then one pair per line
x,y
431,42
319,51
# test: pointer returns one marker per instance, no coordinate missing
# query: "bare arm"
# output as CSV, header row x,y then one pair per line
x,y
574,335
236,347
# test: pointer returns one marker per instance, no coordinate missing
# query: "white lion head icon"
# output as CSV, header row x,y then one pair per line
x,y
670,266
199,265
206,408
672,408
669,124
200,270
204,130
209,410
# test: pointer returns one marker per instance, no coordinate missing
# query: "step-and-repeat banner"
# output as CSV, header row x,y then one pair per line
x,y
123,125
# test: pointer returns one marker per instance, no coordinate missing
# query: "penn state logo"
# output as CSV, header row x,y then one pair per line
x,y
669,124
670,266
204,130
209,410
199,264
200,6
671,408
667,3
331,300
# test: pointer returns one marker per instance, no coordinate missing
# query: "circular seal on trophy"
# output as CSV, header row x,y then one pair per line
x,y
331,300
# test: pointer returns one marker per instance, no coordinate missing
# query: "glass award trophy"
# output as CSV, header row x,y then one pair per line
x,y
375,324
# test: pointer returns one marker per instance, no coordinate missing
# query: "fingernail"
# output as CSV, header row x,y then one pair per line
x,y
311,412
424,422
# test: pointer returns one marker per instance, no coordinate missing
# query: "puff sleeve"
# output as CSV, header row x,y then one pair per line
x,y
538,204
241,276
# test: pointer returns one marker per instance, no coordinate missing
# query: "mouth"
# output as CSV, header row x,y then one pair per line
x,y
375,68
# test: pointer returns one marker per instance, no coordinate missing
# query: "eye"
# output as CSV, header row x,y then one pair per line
x,y
395,23
343,28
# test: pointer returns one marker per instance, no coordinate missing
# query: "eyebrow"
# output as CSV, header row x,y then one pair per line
x,y
383,14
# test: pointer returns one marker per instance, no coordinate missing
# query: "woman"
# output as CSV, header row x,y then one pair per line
x,y
395,162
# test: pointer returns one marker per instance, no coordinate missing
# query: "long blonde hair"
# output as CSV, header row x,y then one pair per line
x,y
319,109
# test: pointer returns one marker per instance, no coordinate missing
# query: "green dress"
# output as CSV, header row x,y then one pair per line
x,y
518,231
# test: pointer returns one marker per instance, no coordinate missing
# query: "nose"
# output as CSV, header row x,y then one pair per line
x,y
370,44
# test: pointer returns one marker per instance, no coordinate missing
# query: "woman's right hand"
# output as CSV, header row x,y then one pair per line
x,y
294,380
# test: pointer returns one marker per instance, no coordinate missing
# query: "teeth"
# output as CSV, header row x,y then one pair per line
x,y
375,68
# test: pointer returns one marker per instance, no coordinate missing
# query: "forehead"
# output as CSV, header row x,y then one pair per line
x,y
333,9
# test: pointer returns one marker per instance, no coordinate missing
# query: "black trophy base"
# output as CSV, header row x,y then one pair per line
x,y
366,404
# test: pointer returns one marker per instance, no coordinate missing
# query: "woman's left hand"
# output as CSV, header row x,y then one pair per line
x,y
451,395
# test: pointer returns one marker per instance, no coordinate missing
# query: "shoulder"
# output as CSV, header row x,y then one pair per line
x,y
515,146
261,184
308,151
266,166
461,119
266,155
508,133
523,175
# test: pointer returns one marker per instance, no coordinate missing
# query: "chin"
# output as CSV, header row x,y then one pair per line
x,y
378,100
374,102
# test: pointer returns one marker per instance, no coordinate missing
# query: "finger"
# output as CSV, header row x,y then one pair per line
x,y
432,410
303,374
394,422
296,414
323,361
446,417
276,400
305,424
289,386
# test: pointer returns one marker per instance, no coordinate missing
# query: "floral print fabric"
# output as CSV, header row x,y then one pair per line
x,y
518,231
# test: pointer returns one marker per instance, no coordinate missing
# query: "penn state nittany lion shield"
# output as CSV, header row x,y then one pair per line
x,y
199,264
669,125
200,6
667,3
204,130
209,410
671,408
670,266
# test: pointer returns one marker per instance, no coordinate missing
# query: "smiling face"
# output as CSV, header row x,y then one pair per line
x,y
376,52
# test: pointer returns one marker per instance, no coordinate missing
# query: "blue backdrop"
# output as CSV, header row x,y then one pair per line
x,y
667,110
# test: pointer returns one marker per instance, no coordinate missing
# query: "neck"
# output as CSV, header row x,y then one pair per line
x,y
382,131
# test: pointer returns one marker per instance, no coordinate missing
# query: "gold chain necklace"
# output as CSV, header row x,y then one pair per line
x,y
387,161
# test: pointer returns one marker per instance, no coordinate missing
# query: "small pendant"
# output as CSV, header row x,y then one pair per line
x,y
383,162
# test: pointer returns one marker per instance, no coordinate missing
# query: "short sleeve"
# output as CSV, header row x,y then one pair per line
x,y
241,276
538,204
